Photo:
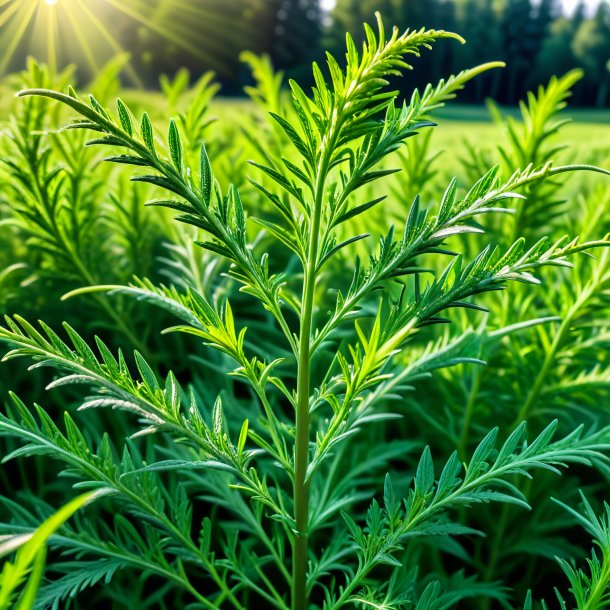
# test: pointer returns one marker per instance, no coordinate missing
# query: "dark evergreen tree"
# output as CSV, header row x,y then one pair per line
x,y
479,21
296,35
556,55
591,47
536,39
521,45
544,13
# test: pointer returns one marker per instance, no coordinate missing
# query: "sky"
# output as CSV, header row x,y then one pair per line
x,y
568,4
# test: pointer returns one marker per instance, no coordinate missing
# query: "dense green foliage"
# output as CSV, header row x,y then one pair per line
x,y
335,414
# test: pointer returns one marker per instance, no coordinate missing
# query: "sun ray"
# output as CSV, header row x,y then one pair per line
x,y
63,29
182,14
18,34
10,12
211,15
87,52
153,27
51,41
109,38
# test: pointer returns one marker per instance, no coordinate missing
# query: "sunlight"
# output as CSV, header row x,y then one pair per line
x,y
57,31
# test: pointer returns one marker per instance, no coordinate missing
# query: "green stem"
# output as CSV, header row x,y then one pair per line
x,y
597,593
600,277
273,596
472,396
303,416
494,555
301,486
549,360
351,586
183,539
140,563
499,542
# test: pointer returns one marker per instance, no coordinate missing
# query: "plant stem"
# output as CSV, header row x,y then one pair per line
x,y
301,486
470,408
549,360
597,593
600,277
301,452
498,543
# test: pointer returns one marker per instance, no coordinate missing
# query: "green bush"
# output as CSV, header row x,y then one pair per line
x,y
257,481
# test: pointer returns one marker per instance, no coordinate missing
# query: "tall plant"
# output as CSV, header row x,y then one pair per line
x,y
267,509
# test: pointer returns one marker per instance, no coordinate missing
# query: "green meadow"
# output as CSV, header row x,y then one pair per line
x,y
249,365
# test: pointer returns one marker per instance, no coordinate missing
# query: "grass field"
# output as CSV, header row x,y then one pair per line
x,y
587,133
359,350
589,129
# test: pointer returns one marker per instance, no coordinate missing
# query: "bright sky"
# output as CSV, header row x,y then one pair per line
x,y
568,4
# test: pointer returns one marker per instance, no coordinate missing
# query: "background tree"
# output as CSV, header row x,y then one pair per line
x,y
522,41
556,55
297,35
591,47
535,38
480,22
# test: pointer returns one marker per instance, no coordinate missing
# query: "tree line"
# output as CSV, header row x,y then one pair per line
x,y
535,38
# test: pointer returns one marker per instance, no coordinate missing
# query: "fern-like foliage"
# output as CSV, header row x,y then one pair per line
x,y
591,588
269,455
423,512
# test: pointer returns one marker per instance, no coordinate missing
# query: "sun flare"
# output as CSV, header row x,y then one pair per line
x,y
59,31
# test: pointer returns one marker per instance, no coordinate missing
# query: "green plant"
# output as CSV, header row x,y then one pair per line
x,y
591,591
262,497
29,562
58,208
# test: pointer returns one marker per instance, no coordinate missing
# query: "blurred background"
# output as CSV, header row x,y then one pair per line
x,y
536,38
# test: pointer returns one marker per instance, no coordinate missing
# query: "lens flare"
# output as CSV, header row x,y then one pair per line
x,y
90,32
